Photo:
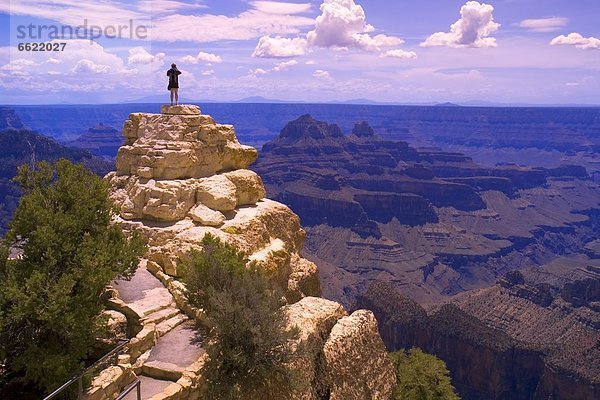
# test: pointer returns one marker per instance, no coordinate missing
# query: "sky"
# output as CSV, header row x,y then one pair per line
x,y
406,52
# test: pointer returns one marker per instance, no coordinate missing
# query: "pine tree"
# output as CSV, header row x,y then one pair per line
x,y
50,298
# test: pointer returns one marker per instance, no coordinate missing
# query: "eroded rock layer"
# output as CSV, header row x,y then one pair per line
x,y
430,222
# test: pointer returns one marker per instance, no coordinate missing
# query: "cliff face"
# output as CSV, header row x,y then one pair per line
x,y
180,176
450,224
528,350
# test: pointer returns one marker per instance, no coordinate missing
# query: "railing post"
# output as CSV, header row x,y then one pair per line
x,y
80,384
139,390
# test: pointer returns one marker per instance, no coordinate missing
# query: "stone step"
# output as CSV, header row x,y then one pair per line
x,y
174,352
161,315
149,388
168,325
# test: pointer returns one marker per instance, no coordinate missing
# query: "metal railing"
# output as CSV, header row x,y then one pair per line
x,y
136,384
79,378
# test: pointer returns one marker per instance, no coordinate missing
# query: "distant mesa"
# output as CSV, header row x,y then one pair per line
x,y
101,140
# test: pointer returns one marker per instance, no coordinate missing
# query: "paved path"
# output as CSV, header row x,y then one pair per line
x,y
176,348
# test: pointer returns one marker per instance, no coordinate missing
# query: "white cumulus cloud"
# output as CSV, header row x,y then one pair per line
x,y
473,29
544,24
202,57
321,74
399,53
577,40
279,47
139,55
86,66
285,65
342,24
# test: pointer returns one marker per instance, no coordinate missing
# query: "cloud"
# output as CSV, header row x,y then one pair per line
x,y
276,7
279,47
283,66
208,72
19,64
399,53
258,71
473,29
87,66
139,55
202,57
544,24
321,74
205,28
577,40
341,25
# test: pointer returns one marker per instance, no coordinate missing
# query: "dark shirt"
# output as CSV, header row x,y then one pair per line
x,y
173,75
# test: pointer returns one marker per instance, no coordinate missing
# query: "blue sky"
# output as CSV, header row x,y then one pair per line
x,y
504,51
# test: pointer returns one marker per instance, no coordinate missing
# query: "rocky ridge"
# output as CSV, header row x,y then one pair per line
x,y
432,223
180,175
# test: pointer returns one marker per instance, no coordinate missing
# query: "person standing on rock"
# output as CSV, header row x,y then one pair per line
x,y
173,87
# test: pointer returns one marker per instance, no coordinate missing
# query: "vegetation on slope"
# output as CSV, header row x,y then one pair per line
x,y
421,376
248,343
50,298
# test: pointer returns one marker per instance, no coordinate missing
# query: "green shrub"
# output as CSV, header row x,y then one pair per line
x,y
248,343
421,376
50,299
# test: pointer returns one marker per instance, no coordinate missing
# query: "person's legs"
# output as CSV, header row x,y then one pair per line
x,y
172,93
176,95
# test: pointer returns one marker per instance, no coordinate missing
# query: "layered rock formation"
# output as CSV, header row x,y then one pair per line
x,y
432,223
180,176
535,338
101,140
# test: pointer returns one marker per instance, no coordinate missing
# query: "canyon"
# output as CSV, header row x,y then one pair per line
x,y
471,232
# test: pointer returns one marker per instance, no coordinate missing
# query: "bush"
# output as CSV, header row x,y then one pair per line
x,y
421,376
248,343
50,299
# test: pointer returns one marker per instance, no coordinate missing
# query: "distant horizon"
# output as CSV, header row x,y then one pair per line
x,y
367,102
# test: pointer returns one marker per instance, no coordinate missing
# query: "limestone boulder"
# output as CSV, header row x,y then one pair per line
x,y
303,280
217,192
249,186
181,109
206,216
314,317
355,341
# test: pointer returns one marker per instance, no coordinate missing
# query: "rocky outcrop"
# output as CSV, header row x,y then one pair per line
x,y
179,177
331,345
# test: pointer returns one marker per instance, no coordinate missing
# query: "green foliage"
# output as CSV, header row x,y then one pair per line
x,y
421,376
50,298
248,344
